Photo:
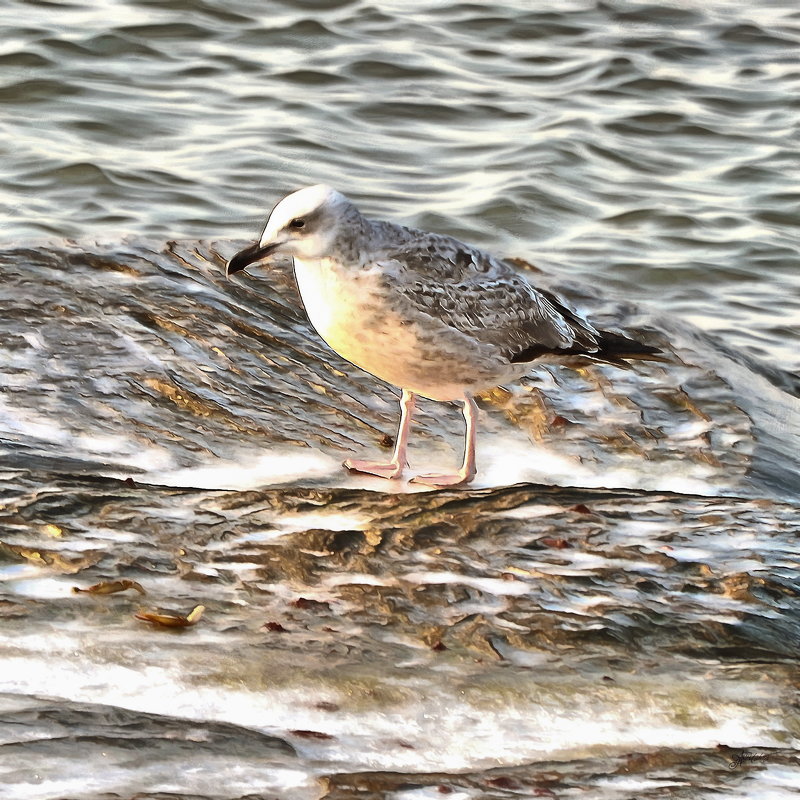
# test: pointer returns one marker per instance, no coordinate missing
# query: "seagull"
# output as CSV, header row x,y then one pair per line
x,y
422,311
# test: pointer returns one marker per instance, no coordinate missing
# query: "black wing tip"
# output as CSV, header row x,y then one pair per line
x,y
533,352
612,347
616,346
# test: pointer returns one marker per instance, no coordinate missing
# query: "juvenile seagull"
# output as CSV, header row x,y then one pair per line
x,y
421,311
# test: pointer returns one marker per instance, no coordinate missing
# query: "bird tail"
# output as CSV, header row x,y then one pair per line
x,y
613,347
617,349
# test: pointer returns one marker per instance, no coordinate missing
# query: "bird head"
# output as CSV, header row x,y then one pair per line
x,y
303,225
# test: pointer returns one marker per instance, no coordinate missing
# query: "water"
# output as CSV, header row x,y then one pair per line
x,y
652,148
611,610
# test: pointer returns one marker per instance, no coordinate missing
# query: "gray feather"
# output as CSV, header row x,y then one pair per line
x,y
472,292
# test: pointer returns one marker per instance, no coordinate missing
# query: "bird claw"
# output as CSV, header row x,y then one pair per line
x,y
380,470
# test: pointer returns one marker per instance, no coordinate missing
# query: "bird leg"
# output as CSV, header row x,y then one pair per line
x,y
468,470
398,462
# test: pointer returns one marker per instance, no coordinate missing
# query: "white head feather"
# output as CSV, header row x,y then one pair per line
x,y
305,223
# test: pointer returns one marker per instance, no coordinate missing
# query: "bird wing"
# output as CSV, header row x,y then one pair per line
x,y
480,296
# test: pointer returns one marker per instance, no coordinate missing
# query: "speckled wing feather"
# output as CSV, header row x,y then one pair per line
x,y
483,297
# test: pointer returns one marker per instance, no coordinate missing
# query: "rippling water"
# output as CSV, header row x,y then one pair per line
x,y
653,148
630,634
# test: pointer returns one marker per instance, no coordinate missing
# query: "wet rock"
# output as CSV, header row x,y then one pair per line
x,y
192,441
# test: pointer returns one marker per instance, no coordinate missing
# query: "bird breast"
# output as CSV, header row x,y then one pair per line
x,y
351,310
358,316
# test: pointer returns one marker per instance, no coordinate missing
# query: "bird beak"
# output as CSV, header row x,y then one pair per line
x,y
249,256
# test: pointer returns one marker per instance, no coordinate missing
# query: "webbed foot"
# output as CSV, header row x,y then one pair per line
x,y
381,470
460,478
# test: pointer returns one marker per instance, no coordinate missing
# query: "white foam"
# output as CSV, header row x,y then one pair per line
x,y
93,443
773,782
252,470
18,420
43,588
19,572
324,521
531,511
452,723
492,586
505,457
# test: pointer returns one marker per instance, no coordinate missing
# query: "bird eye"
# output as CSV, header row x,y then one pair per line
x,y
297,223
